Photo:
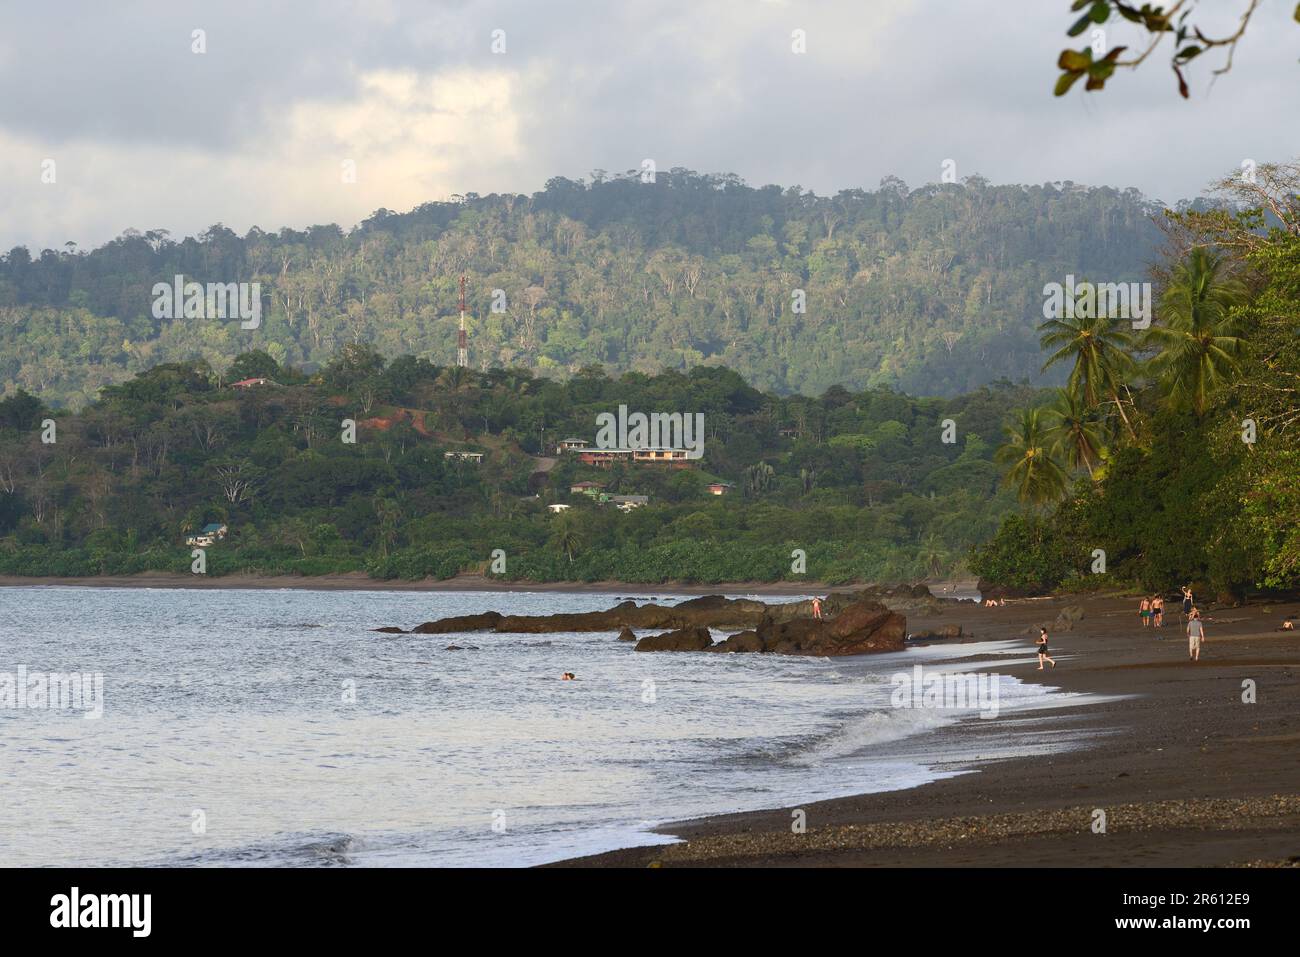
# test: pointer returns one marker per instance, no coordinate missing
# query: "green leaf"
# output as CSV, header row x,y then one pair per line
x,y
1065,81
1100,11
1079,25
1297,13
1098,74
1074,60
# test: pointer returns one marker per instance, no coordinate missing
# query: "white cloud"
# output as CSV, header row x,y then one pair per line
x,y
412,138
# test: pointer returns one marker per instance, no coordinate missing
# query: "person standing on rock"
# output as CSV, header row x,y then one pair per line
x,y
1042,649
817,608
1195,635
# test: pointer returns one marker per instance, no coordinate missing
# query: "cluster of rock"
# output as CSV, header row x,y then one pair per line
x,y
860,628
852,624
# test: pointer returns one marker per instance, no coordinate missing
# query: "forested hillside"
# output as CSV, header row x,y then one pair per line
x,y
863,482
935,291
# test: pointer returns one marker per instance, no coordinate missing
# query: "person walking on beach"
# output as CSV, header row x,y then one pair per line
x,y
1144,611
817,608
1042,649
1187,602
1195,635
1158,611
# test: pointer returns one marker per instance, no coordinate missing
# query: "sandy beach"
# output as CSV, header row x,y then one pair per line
x,y
1186,773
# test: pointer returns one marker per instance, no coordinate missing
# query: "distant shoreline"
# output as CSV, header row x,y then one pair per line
x,y
357,581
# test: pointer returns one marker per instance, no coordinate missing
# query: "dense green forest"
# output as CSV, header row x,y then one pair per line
x,y
933,291
1174,450
870,485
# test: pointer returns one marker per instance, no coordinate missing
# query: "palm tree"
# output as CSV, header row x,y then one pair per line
x,y
567,538
1037,477
932,555
1074,431
758,478
1198,339
1101,350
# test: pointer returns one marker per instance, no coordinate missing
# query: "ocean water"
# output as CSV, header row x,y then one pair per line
x,y
246,727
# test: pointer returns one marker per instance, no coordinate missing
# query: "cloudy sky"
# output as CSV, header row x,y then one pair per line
x,y
144,132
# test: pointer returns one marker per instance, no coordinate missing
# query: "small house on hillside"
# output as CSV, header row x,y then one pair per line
x,y
585,488
558,508
570,445
626,502
209,534
604,458
249,383
719,488
475,457
674,458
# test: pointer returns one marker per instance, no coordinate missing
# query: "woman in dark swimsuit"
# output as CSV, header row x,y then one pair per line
x,y
1042,649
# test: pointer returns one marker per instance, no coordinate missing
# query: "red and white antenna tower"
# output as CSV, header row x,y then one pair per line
x,y
462,351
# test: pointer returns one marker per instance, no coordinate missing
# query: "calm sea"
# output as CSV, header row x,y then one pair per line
x,y
244,727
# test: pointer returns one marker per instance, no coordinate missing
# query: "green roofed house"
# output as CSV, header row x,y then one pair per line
x,y
210,534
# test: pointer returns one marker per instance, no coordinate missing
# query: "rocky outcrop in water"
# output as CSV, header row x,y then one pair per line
x,y
853,624
710,611
683,639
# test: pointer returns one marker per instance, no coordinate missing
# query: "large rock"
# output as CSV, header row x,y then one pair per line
x,y
741,641
444,626
865,627
683,639
627,634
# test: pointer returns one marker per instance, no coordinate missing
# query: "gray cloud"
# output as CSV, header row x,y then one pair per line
x,y
148,134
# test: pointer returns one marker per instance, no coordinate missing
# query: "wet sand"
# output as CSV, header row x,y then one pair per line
x,y
1186,773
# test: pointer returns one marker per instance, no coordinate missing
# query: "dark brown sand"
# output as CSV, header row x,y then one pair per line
x,y
1186,773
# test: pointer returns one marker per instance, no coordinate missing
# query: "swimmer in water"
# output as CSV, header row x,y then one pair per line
x,y
568,676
